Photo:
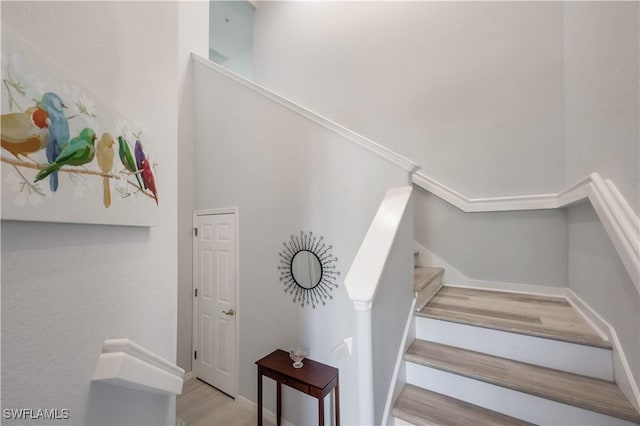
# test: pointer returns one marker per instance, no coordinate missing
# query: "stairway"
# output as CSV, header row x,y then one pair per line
x,y
485,357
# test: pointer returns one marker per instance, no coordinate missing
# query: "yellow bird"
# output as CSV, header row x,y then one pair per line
x,y
24,133
105,155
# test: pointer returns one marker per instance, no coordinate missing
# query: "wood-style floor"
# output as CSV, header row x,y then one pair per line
x,y
421,407
585,392
203,405
549,317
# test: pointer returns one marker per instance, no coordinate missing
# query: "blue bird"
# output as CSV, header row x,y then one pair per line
x,y
58,131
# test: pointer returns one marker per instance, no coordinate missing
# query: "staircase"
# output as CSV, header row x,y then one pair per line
x,y
497,358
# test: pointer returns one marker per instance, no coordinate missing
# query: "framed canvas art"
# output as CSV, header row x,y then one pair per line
x,y
66,155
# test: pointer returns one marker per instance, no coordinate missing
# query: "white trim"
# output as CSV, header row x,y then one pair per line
x,y
620,222
591,361
366,143
621,368
267,415
361,282
188,376
395,387
534,289
364,352
207,212
125,363
451,274
488,204
221,210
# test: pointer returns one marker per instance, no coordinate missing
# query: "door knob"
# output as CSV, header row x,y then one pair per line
x,y
229,312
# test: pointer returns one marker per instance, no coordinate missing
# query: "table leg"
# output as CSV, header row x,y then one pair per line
x,y
321,411
337,398
259,396
279,398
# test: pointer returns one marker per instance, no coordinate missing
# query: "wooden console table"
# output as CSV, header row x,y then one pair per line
x,y
314,378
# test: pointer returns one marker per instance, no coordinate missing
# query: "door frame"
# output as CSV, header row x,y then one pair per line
x,y
194,338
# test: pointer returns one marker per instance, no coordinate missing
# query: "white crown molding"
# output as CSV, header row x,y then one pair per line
x,y
620,222
128,364
366,143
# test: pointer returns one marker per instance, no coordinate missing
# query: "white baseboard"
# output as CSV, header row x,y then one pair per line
x,y
534,289
395,387
267,415
621,368
453,276
427,258
188,376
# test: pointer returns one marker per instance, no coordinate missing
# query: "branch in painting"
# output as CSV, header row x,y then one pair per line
x,y
40,166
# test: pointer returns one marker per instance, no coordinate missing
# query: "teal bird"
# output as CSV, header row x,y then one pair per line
x,y
58,130
80,150
127,159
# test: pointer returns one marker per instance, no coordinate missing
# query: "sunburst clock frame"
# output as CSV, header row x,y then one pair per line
x,y
307,269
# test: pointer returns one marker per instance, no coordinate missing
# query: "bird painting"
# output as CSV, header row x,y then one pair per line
x,y
24,133
127,159
149,180
147,174
105,155
66,155
58,131
140,157
78,151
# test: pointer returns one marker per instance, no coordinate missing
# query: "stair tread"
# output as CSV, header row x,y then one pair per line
x,y
580,391
422,407
424,275
541,316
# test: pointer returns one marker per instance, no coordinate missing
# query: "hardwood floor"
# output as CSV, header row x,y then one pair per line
x,y
203,405
580,391
549,317
421,407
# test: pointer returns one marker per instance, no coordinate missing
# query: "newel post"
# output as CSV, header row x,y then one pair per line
x,y
364,347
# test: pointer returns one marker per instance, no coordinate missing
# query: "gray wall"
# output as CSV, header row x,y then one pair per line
x,y
472,91
285,174
526,247
602,93
67,288
602,110
597,275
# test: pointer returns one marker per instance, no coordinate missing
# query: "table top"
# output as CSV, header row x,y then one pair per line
x,y
312,372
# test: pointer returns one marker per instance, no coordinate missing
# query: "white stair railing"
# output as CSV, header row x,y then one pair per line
x,y
379,282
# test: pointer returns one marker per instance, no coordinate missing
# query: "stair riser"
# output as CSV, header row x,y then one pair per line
x,y
399,422
513,403
580,359
426,294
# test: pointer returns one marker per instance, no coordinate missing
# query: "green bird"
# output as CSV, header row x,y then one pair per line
x,y
78,151
127,159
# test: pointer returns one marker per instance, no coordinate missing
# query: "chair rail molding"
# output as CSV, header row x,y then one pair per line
x,y
366,143
125,363
619,220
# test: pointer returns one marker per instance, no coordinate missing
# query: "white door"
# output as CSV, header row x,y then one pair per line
x,y
215,307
